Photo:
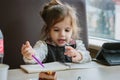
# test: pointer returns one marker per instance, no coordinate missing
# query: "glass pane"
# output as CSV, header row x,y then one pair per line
x,y
102,18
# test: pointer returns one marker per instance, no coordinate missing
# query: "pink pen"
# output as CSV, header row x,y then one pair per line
x,y
38,61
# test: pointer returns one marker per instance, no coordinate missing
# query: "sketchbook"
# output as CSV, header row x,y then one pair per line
x,y
56,66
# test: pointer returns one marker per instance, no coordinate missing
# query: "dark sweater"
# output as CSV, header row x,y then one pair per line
x,y
56,53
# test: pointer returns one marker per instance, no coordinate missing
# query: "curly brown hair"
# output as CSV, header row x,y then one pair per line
x,y
55,12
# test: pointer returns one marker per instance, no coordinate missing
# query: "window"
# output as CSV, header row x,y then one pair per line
x,y
103,19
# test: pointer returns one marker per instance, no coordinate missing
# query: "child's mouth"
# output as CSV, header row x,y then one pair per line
x,y
61,41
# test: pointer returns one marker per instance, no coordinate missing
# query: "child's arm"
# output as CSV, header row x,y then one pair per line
x,y
80,47
71,52
80,54
27,52
39,50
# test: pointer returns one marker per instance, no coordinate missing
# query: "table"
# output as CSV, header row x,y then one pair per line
x,y
98,73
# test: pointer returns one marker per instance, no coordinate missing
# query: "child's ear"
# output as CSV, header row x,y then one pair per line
x,y
54,2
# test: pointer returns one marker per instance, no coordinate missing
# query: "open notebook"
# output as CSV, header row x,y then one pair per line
x,y
56,66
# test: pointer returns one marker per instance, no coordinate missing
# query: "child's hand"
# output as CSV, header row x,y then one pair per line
x,y
71,52
27,50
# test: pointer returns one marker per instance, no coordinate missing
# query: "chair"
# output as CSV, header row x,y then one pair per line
x,y
20,21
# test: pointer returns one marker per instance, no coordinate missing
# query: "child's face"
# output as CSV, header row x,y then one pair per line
x,y
61,32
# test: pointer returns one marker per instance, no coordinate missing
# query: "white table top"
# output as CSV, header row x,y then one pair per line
x,y
98,73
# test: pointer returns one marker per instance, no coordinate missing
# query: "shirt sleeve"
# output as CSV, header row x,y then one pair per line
x,y
41,51
80,47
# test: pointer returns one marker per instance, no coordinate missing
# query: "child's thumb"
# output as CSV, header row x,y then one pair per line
x,y
28,44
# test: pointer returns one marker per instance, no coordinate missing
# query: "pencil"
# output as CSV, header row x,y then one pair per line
x,y
38,61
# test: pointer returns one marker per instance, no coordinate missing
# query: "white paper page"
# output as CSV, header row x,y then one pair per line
x,y
53,66
84,65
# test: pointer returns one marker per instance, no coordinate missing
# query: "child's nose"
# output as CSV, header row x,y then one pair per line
x,y
62,33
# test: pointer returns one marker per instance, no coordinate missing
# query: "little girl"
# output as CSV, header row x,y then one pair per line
x,y
60,37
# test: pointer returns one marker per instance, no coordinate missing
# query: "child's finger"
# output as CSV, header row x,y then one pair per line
x,y
70,53
22,48
68,48
25,50
74,59
66,53
28,44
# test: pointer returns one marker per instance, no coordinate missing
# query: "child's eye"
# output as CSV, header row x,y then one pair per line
x,y
56,30
67,30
